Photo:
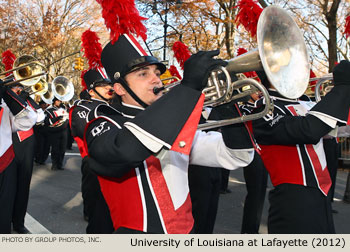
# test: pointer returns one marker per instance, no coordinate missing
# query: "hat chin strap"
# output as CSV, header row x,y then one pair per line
x,y
100,94
133,95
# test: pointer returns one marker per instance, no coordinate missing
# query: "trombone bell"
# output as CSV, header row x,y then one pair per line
x,y
48,96
40,88
28,68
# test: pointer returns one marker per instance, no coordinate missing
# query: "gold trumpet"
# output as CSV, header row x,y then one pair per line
x,y
27,71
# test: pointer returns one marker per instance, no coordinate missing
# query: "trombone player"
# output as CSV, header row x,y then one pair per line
x,y
24,146
15,115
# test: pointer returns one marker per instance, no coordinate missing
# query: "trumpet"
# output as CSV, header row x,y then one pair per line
x,y
27,71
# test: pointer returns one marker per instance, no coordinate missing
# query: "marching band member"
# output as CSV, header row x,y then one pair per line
x,y
23,146
292,151
100,91
255,176
145,143
15,115
42,146
57,121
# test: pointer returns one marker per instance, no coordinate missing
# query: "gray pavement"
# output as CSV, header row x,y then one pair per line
x,y
55,201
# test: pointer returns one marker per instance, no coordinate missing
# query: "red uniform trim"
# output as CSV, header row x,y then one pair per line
x,y
136,44
6,158
179,221
323,177
23,135
124,200
277,160
1,113
189,129
78,140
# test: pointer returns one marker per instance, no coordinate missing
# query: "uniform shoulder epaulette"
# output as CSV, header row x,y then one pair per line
x,y
102,110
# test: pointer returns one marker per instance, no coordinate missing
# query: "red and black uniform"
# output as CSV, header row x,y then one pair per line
x,y
95,207
57,134
292,151
14,115
143,157
24,146
255,176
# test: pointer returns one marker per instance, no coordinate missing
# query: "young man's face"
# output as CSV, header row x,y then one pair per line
x,y
57,103
17,89
141,82
103,90
255,96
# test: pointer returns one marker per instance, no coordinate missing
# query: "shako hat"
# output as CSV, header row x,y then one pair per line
x,y
96,77
126,55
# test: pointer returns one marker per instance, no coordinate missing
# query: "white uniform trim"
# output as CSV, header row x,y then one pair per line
x,y
206,142
144,207
153,143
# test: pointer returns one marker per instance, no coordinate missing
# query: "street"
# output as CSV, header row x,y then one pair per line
x,y
55,203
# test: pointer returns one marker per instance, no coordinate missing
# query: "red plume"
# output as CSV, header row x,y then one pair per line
x,y
8,58
248,15
122,17
181,53
250,74
174,72
83,83
312,83
92,48
347,27
241,51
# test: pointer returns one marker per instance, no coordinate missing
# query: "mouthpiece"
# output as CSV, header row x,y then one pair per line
x,y
156,90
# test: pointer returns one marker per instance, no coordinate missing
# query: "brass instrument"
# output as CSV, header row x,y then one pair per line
x,y
41,87
168,80
281,53
62,88
319,83
27,71
48,96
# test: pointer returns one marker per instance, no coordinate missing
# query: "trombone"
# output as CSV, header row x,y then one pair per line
x,y
27,71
